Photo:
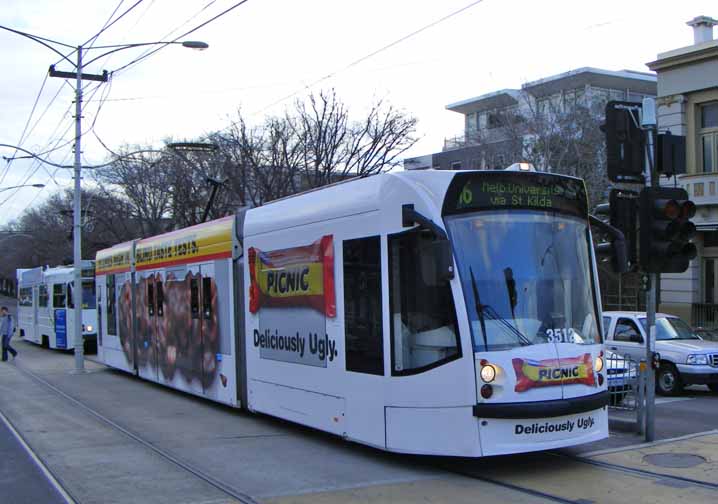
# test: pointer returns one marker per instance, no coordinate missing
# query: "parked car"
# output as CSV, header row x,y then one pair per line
x,y
621,373
707,334
686,358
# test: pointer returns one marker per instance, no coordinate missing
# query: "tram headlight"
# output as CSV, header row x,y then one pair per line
x,y
488,373
598,364
88,328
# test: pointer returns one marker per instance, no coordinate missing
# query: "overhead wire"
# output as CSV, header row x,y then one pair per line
x,y
370,55
165,44
24,131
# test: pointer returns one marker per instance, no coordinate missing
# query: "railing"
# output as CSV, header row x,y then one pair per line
x,y
704,315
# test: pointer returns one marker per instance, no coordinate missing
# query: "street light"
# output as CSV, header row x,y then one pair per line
x,y
39,186
77,229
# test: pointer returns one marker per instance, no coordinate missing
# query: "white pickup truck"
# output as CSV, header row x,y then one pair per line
x,y
686,359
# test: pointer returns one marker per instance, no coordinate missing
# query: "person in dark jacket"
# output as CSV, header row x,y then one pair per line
x,y
7,327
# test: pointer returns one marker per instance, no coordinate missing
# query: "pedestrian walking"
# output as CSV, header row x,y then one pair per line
x,y
7,327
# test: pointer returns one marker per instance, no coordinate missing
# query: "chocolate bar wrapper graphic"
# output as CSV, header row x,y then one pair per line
x,y
550,372
294,277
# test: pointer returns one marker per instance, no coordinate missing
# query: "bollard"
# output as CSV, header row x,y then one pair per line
x,y
640,398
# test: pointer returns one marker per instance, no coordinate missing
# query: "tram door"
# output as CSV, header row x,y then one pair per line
x,y
147,340
204,335
34,330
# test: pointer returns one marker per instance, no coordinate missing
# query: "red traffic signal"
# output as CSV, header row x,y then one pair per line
x,y
665,230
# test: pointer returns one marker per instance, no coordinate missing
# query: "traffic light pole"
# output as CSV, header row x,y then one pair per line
x,y
650,396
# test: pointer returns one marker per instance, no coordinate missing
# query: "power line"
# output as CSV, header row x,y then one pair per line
x,y
372,54
147,55
27,123
108,24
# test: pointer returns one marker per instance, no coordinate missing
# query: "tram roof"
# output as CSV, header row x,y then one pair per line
x,y
351,197
207,241
115,259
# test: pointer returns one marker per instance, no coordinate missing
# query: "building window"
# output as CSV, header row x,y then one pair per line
x,y
710,280
363,330
456,165
708,137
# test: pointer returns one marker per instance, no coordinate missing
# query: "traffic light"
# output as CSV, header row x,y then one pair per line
x,y
622,213
666,230
625,142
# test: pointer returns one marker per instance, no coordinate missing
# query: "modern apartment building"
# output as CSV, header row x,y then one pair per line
x,y
501,127
688,105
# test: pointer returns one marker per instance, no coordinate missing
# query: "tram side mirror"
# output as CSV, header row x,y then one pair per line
x,y
437,266
435,258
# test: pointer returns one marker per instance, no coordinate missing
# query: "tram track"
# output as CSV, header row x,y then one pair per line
x,y
639,472
164,454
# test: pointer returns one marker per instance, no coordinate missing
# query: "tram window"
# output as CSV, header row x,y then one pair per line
x,y
206,297
362,306
194,298
42,297
70,298
111,313
150,298
59,295
423,317
160,299
25,298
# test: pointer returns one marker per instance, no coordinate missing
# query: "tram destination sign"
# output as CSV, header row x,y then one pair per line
x,y
474,191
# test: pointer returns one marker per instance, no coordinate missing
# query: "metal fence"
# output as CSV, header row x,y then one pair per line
x,y
704,315
623,377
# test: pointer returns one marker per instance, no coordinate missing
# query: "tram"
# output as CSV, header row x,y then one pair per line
x,y
45,305
428,312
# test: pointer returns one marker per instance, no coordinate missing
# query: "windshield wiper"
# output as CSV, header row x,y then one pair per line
x,y
493,315
479,309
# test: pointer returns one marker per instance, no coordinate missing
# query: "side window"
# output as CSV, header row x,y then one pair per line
x,y
111,308
606,327
160,299
42,296
207,297
194,298
150,297
423,319
627,331
70,298
58,295
362,313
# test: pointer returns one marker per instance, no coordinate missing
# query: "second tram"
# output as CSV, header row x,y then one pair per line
x,y
427,312
45,304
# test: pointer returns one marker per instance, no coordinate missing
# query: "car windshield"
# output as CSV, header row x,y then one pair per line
x,y
526,276
671,328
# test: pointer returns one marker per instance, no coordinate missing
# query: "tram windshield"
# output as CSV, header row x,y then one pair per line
x,y
526,277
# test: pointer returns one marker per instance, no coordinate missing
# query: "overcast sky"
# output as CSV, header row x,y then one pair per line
x,y
267,50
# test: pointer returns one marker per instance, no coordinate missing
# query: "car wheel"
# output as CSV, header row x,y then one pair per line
x,y
668,380
713,387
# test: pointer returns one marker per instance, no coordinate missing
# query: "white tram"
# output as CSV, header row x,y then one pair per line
x,y
431,312
45,305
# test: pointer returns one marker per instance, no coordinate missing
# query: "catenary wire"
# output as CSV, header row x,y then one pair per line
x,y
372,54
201,25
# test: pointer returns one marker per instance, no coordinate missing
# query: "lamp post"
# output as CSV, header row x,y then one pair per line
x,y
76,217
39,186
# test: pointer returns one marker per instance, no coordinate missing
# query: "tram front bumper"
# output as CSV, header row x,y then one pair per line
x,y
542,425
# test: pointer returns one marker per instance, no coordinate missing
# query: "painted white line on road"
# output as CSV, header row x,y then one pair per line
x,y
666,400
37,461
647,445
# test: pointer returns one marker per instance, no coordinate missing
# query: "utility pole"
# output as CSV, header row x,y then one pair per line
x,y
648,121
77,205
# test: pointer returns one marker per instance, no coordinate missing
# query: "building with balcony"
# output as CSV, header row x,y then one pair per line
x,y
687,105
505,126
